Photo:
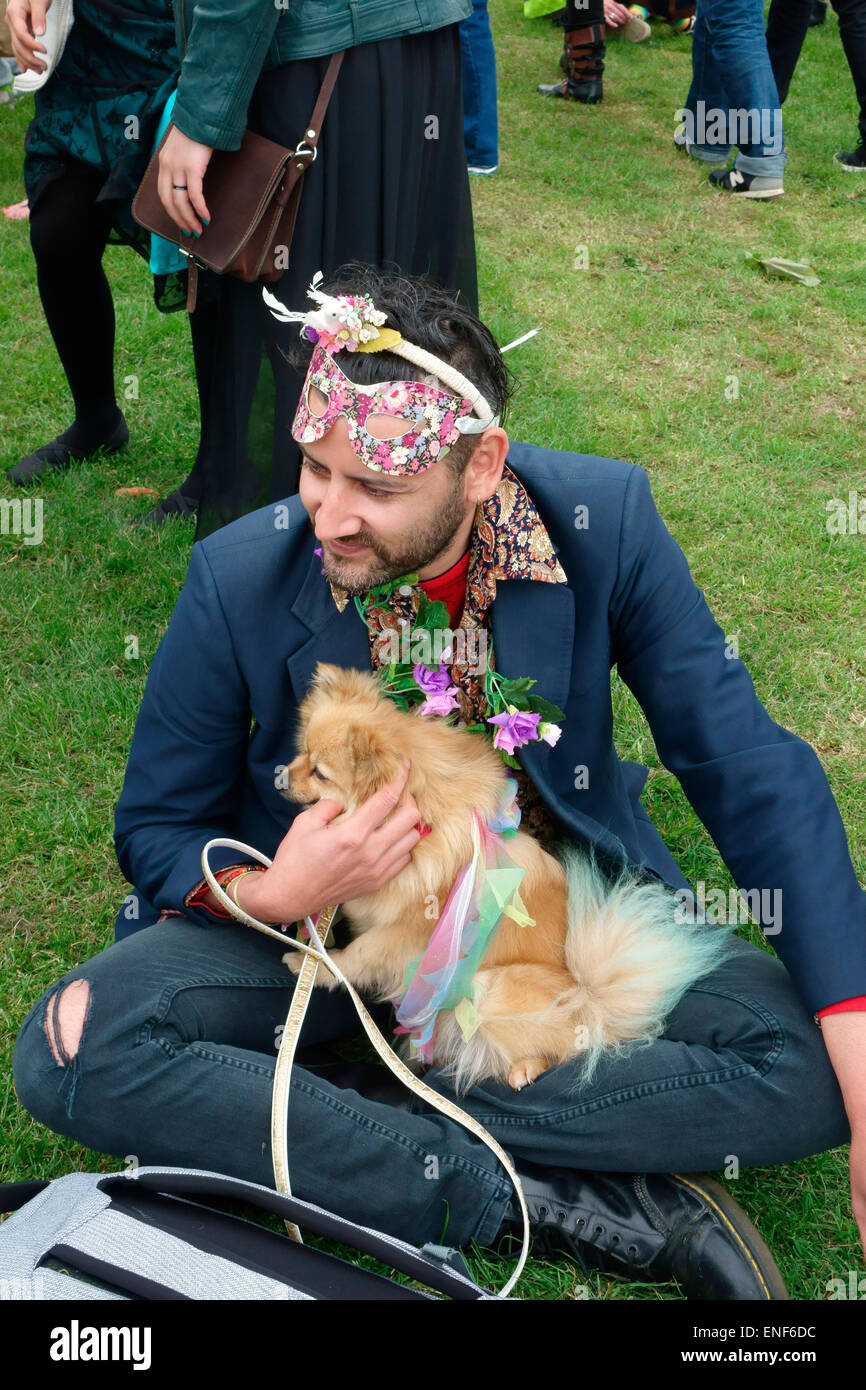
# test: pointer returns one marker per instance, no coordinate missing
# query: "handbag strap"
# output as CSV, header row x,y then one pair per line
x,y
317,958
304,153
314,129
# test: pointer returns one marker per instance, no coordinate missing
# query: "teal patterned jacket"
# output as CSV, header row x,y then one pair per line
x,y
101,107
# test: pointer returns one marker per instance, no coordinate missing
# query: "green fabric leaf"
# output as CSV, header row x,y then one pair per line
x,y
550,714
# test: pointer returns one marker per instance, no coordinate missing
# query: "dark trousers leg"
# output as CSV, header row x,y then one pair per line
x,y
787,23
852,29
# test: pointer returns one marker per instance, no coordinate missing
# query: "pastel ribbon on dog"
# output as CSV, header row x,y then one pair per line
x,y
485,891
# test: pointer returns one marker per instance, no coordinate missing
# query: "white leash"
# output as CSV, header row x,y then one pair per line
x,y
316,958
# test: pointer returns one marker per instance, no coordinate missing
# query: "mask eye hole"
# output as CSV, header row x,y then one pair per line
x,y
317,402
388,426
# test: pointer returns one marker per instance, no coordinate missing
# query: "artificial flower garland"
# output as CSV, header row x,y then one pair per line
x,y
518,717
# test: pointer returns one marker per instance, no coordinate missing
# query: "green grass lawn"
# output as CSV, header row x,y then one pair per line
x,y
636,361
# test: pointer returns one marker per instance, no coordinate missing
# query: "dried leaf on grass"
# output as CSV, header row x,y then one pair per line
x,y
775,266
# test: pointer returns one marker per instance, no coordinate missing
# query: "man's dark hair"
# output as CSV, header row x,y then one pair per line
x,y
424,314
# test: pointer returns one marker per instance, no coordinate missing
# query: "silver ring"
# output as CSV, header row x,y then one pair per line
x,y
179,185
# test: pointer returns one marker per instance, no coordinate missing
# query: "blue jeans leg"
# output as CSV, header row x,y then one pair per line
x,y
732,73
740,1071
480,118
176,1063
707,93
176,1066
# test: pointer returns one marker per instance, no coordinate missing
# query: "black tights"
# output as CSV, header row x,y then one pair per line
x,y
68,233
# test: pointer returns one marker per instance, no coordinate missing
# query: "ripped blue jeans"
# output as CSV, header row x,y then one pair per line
x,y
168,1056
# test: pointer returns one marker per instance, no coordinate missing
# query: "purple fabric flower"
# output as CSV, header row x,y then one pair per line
x,y
429,681
514,730
443,703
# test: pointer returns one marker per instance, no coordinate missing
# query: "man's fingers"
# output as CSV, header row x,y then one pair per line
x,y
378,807
324,811
400,854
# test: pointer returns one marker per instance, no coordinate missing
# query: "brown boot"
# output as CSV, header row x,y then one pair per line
x,y
584,53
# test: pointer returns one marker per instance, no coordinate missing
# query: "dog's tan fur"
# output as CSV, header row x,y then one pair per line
x,y
536,989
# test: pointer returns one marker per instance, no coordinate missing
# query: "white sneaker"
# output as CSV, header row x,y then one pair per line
x,y
742,185
58,22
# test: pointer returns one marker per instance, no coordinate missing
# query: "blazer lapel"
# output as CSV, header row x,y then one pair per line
x,y
337,637
533,635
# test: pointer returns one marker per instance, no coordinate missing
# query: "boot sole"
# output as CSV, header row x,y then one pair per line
x,y
735,1220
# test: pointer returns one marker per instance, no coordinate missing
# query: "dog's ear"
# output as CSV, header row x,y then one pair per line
x,y
373,762
326,676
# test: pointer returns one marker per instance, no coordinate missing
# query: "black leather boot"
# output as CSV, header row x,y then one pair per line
x,y
650,1227
584,54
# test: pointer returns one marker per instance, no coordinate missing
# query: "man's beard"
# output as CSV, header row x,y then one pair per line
x,y
389,563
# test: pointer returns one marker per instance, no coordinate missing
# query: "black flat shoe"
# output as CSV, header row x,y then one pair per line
x,y
649,1227
176,504
59,454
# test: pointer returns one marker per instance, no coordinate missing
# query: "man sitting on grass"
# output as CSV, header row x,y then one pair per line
x,y
163,1045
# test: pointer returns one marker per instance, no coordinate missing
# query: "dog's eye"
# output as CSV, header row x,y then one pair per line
x,y
316,773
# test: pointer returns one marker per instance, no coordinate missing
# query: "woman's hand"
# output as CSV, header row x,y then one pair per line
x,y
318,863
616,14
182,165
26,20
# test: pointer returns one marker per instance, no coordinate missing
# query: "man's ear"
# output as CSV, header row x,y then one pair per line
x,y
484,469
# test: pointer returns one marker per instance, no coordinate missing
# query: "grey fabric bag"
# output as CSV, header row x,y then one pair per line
x,y
149,1234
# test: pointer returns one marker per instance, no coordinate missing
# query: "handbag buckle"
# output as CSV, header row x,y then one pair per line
x,y
307,149
190,257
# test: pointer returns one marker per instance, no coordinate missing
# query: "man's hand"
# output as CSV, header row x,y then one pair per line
x,y
318,863
26,20
182,165
845,1039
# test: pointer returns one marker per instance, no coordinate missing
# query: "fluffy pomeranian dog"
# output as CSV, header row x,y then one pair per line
x,y
602,967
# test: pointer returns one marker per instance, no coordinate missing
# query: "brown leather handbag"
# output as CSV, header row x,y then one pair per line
x,y
252,195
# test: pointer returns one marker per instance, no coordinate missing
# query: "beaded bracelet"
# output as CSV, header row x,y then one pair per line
x,y
226,884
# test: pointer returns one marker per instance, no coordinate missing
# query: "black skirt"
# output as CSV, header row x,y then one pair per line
x,y
389,186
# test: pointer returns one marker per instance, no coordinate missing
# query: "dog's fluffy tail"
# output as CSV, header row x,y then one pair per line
x,y
630,956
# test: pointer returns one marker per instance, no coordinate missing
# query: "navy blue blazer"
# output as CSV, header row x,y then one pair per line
x,y
219,712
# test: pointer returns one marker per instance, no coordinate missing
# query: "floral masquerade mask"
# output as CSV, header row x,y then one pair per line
x,y
432,420
396,427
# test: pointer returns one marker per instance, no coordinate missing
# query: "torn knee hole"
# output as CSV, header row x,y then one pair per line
x,y
65,1017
